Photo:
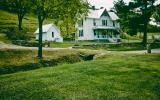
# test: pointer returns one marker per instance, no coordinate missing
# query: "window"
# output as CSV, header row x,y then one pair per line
x,y
80,23
104,22
52,34
80,33
113,23
95,33
94,22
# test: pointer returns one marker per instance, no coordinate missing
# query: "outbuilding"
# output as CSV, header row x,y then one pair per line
x,y
50,33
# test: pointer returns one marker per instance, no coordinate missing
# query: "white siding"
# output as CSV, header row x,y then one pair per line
x,y
44,36
48,35
88,26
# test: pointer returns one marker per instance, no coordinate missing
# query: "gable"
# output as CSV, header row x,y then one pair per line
x,y
105,13
96,14
47,27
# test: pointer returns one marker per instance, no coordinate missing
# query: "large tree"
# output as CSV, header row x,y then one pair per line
x,y
147,8
20,7
157,13
122,9
129,19
71,13
53,9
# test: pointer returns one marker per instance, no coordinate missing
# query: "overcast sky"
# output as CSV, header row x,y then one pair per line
x,y
107,3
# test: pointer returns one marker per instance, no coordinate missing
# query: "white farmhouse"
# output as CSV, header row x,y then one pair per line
x,y
50,33
100,24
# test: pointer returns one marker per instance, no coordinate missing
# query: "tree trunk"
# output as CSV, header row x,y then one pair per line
x,y
145,35
20,23
40,39
144,42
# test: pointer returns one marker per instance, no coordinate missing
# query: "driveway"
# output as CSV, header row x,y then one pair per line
x,y
11,46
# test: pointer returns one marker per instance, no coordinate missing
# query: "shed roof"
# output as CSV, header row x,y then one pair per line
x,y
46,28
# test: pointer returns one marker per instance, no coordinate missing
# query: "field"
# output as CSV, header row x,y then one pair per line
x,y
135,77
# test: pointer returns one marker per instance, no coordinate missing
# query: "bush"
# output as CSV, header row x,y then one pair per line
x,y
155,45
14,34
27,43
126,36
153,29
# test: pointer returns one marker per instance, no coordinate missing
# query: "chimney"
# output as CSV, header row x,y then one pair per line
x,y
93,8
101,7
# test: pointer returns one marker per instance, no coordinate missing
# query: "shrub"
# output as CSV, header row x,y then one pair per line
x,y
27,43
14,34
126,36
155,45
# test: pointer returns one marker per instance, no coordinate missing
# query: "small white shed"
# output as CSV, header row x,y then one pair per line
x,y
50,33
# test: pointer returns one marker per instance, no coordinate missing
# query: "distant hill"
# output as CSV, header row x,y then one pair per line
x,y
10,21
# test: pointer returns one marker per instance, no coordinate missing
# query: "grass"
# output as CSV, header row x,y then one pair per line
x,y
19,57
114,47
21,60
156,33
4,38
66,44
118,48
10,20
135,77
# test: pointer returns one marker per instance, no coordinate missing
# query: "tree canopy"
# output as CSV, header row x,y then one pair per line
x,y
20,7
135,15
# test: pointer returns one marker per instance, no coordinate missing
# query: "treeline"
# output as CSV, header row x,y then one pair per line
x,y
135,16
64,13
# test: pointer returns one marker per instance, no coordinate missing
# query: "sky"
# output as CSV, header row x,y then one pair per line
x,y
107,3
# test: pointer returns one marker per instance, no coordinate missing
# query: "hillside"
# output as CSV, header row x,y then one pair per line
x,y
135,77
9,21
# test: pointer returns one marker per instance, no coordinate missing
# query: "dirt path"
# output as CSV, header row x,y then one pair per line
x,y
11,46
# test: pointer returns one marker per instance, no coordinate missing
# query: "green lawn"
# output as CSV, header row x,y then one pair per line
x,y
66,44
113,77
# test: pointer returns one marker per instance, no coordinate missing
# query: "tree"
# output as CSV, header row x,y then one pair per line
x,y
54,9
129,19
157,13
20,7
122,9
147,9
72,12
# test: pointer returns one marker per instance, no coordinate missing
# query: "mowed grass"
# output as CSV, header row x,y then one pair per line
x,y
112,77
66,44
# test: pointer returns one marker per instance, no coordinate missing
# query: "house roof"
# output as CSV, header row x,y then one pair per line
x,y
113,16
46,28
98,13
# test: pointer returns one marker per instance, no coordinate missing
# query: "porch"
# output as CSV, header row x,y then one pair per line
x,y
106,34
